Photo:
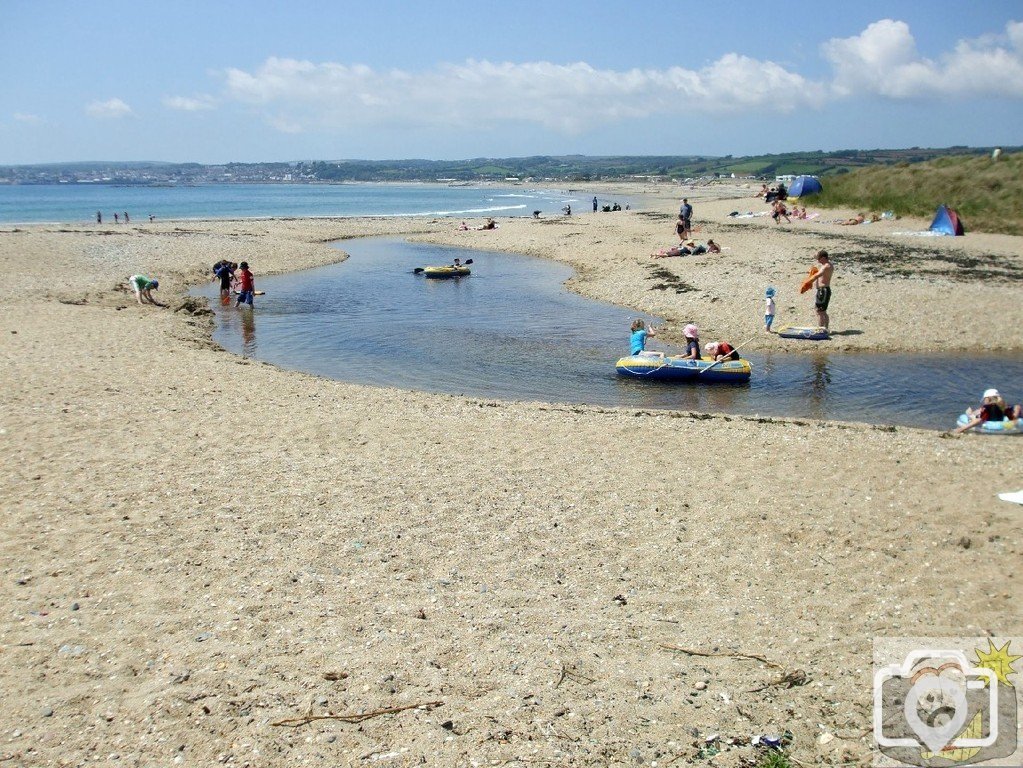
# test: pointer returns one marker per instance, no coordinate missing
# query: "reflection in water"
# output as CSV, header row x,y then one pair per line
x,y
236,325
819,386
248,332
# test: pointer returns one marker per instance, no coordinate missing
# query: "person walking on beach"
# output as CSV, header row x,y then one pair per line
x,y
246,285
680,228
143,286
822,282
594,203
686,212
126,219
99,217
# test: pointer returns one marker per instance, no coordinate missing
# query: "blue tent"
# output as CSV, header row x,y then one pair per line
x,y
947,222
804,186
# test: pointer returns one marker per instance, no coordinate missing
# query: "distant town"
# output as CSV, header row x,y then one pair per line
x,y
538,169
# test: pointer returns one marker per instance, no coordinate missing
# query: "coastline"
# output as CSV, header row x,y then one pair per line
x,y
198,546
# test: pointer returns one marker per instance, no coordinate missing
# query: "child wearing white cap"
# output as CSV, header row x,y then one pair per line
x,y
993,408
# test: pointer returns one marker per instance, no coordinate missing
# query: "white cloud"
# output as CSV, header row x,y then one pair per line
x,y
189,104
29,119
883,60
564,97
295,96
109,109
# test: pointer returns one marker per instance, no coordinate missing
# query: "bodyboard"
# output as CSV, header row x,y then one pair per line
x,y
815,333
808,283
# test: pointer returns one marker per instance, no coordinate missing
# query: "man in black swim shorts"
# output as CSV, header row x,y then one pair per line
x,y
822,298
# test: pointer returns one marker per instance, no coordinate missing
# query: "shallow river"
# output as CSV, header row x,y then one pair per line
x,y
512,331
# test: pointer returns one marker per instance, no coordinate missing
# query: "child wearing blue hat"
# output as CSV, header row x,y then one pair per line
x,y
769,308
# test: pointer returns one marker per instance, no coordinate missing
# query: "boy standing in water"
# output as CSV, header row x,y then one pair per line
x,y
246,285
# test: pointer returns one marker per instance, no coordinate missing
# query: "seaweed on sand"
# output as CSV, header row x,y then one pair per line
x,y
671,281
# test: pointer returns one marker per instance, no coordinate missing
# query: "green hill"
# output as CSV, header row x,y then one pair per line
x,y
986,193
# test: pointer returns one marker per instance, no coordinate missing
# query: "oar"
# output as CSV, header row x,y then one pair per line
x,y
734,349
417,270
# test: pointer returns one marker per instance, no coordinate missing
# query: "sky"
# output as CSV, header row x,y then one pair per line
x,y
232,81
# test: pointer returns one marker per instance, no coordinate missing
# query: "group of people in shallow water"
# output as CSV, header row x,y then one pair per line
x,y
237,278
715,350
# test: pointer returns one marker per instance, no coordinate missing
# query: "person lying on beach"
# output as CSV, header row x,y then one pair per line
x,y
688,248
143,286
692,334
638,334
992,408
721,350
859,218
675,250
491,224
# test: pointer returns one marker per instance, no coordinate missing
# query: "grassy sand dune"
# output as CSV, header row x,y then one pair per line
x,y
987,193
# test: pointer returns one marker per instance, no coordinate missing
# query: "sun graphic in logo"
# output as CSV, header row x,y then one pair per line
x,y
998,660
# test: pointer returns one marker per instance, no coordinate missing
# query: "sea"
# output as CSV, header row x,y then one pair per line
x,y
78,203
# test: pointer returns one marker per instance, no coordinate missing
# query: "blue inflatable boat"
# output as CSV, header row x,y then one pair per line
x,y
675,368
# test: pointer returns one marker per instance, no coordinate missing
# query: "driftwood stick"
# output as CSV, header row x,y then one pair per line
x,y
733,654
294,722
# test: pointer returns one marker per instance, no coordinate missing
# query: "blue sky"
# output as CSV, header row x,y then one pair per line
x,y
258,81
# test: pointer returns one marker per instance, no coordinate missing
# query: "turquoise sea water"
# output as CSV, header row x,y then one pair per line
x,y
78,203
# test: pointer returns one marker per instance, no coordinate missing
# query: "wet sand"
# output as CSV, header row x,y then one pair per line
x,y
197,547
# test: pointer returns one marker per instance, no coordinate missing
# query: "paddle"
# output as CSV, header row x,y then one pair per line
x,y
417,270
725,359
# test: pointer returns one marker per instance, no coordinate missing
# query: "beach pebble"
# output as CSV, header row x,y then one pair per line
x,y
75,606
700,686
46,712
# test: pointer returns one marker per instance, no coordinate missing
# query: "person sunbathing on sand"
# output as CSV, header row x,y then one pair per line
x,y
859,218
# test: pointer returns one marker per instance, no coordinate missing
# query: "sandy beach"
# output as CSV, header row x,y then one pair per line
x,y
198,549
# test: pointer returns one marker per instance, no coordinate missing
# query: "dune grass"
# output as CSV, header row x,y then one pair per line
x,y
986,193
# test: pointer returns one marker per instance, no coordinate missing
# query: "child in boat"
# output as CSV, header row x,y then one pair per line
x,y
992,408
639,334
721,350
692,334
769,308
